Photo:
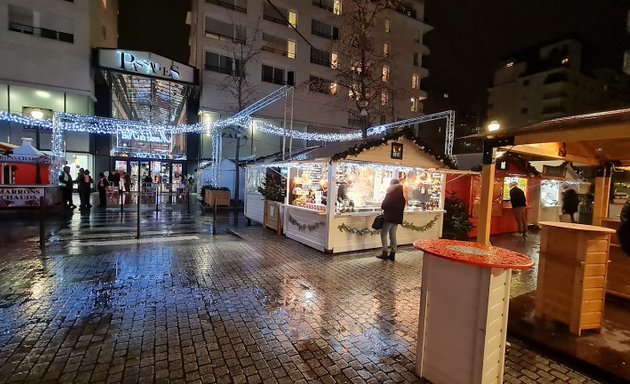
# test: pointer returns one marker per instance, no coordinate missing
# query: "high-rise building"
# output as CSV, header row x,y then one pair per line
x,y
558,79
248,48
45,64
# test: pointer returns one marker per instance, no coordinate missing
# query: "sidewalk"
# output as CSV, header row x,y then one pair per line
x,y
256,309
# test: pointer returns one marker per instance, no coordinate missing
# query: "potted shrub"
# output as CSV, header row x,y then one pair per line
x,y
456,219
272,191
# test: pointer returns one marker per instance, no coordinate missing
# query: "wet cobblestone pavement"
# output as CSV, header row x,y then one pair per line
x,y
185,306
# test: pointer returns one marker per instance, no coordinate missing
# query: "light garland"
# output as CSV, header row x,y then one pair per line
x,y
303,227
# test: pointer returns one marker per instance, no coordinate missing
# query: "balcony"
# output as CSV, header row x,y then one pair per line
x,y
324,4
275,50
228,5
275,19
41,32
224,70
218,36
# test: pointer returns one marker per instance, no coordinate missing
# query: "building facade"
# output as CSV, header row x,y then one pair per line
x,y
246,49
553,80
46,65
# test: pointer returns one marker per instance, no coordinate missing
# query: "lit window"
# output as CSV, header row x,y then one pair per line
x,y
387,25
414,104
291,49
293,19
334,60
384,98
337,7
510,64
565,60
385,49
385,73
333,88
414,81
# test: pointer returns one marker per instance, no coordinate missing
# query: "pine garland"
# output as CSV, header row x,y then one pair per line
x,y
406,133
368,231
303,227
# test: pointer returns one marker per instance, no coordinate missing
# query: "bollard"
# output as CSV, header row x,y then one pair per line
x,y
42,236
214,217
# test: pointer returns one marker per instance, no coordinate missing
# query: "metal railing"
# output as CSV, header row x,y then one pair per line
x,y
41,32
227,5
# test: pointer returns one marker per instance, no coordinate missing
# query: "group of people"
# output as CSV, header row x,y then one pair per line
x,y
84,186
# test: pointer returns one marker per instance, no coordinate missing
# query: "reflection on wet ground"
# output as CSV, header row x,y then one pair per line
x,y
212,308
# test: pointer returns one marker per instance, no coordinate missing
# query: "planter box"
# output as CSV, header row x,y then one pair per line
x,y
222,197
273,216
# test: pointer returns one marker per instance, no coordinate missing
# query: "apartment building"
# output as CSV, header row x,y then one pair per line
x,y
553,80
301,43
45,64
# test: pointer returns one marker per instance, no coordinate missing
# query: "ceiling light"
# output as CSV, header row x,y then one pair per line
x,y
43,94
37,114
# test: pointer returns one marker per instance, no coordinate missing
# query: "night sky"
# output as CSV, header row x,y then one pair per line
x,y
469,36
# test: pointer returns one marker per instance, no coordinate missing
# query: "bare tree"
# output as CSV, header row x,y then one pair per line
x,y
244,50
362,68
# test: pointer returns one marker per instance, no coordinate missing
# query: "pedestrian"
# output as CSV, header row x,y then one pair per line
x,y
85,188
102,189
65,186
570,202
393,206
519,207
80,181
127,178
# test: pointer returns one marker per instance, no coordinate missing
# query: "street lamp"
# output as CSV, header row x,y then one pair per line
x,y
494,126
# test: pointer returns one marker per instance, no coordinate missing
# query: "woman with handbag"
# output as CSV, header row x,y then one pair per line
x,y
393,206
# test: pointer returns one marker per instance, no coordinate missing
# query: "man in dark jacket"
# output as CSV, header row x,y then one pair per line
x,y
570,203
65,185
393,206
623,233
519,207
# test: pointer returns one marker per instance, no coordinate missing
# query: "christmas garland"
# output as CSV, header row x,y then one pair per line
x,y
368,231
303,227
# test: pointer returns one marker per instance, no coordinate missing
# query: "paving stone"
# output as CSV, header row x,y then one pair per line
x,y
218,309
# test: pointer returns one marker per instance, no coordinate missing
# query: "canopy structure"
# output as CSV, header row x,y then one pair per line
x,y
599,139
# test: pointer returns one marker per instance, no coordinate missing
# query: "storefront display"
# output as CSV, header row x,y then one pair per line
x,y
334,195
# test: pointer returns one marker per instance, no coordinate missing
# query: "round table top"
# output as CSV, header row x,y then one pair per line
x,y
477,254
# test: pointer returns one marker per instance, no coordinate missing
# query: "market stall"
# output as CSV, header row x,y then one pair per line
x,y
555,180
25,177
332,194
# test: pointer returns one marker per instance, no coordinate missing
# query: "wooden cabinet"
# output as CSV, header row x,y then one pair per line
x,y
218,197
619,269
572,274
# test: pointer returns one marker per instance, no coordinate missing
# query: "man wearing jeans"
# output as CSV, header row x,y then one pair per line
x,y
519,207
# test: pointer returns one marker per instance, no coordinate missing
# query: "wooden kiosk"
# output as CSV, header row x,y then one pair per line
x,y
572,274
463,310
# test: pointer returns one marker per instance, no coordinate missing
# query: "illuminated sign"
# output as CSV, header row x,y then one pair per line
x,y
397,151
159,137
145,63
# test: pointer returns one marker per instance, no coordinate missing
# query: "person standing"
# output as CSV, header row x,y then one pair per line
x,y
102,188
80,181
519,207
65,185
85,185
570,202
393,206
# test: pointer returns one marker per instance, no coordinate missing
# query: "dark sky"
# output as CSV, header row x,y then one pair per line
x,y
469,36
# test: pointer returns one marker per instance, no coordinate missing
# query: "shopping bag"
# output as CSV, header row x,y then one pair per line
x,y
378,222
